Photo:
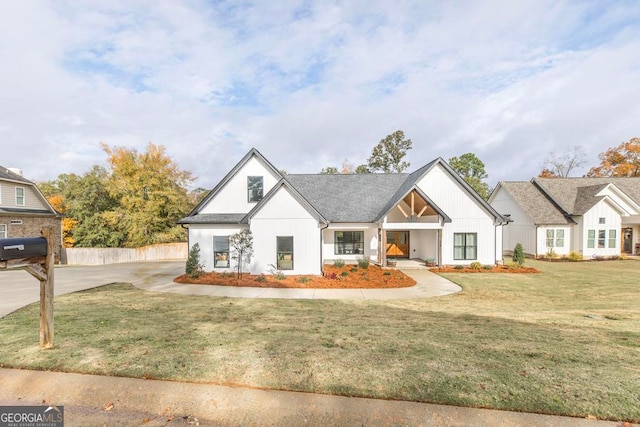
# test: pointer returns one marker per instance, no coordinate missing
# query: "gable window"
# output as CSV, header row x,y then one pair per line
x,y
255,188
3,231
220,251
348,242
284,247
612,238
19,196
465,246
602,236
555,238
591,239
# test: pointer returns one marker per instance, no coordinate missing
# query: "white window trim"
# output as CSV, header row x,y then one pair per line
x,y
3,234
24,196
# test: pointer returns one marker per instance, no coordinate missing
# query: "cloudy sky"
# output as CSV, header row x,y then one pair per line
x,y
310,84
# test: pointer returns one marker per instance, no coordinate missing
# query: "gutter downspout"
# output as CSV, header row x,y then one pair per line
x,y
321,245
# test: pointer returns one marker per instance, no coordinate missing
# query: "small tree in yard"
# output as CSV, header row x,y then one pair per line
x,y
242,244
193,267
518,254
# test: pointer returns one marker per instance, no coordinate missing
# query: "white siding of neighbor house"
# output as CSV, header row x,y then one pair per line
x,y
233,197
32,199
466,213
283,215
521,229
370,242
591,221
559,250
203,235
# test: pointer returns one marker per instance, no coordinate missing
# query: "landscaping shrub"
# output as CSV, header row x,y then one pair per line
x,y
513,266
551,254
387,273
304,279
261,278
459,267
518,254
193,268
344,273
476,265
338,263
574,256
487,267
354,269
364,262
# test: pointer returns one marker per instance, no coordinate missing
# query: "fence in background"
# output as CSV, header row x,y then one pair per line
x,y
98,256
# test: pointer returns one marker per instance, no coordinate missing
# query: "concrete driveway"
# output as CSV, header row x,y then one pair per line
x,y
18,288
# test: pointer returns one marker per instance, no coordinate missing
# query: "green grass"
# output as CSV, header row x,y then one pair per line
x,y
566,341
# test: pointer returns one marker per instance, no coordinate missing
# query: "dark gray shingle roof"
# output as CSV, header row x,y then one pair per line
x,y
348,198
7,174
232,218
534,203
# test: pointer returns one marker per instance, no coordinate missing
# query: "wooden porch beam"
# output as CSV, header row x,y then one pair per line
x,y
403,212
422,211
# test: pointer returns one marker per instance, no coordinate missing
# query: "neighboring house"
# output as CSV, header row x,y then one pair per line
x,y
593,216
24,211
300,222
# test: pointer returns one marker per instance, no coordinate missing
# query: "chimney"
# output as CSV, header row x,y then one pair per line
x,y
17,171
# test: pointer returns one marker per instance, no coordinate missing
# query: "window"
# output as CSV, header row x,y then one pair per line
x,y
19,196
465,246
612,238
254,188
602,236
15,222
602,220
285,252
349,242
555,238
591,239
3,231
220,251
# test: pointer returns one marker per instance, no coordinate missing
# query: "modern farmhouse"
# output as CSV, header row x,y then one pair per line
x,y
300,222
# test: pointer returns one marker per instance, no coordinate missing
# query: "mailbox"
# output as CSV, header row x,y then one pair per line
x,y
22,247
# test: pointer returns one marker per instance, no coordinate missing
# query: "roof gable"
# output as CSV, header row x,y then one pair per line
x,y
533,202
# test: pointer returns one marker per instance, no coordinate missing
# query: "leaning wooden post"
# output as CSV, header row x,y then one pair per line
x,y
46,294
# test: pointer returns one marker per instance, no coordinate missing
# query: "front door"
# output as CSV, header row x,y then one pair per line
x,y
627,240
397,244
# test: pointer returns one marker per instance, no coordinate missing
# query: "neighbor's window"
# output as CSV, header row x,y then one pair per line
x,y
602,236
612,238
19,196
255,188
555,238
15,222
3,231
220,251
465,246
591,239
349,242
284,247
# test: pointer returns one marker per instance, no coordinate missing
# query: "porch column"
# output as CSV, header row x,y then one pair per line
x,y
383,248
439,247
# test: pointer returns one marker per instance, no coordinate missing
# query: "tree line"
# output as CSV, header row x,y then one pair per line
x,y
138,198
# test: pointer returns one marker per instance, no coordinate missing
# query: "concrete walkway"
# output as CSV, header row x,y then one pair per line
x,y
18,288
133,402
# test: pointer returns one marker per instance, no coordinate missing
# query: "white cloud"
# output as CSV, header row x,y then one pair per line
x,y
313,83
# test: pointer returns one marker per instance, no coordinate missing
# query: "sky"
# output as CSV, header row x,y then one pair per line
x,y
310,84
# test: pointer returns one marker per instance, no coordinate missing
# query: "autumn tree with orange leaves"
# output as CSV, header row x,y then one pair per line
x,y
623,160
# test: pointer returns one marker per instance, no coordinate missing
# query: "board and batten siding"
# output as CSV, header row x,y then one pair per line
x,y
467,216
233,197
203,235
591,221
283,215
370,242
521,229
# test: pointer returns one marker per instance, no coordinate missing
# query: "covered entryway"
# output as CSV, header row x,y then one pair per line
x,y
397,244
627,240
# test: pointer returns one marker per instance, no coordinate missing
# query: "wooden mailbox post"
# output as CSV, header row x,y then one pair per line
x,y
40,267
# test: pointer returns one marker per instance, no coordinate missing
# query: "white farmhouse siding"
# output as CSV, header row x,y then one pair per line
x,y
282,215
203,234
423,244
521,229
233,197
554,238
370,242
602,218
466,213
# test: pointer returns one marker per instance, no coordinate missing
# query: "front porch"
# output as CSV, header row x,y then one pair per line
x,y
409,264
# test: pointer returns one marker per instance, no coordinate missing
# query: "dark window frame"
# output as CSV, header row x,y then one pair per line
x,y
466,248
255,190
221,256
284,248
351,242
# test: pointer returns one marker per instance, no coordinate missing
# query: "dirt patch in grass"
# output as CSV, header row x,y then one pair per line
x,y
347,277
493,269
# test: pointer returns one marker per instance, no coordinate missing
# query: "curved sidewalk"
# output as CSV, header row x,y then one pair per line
x,y
428,284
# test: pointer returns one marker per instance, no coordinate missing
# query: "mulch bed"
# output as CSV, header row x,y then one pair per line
x,y
347,277
494,269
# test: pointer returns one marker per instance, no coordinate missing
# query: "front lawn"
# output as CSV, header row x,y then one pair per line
x,y
565,341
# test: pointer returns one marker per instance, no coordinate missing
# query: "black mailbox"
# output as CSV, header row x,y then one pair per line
x,y
22,247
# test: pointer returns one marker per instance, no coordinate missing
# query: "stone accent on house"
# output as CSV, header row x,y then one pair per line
x,y
31,226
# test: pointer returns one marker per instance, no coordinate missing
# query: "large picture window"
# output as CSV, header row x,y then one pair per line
x,y
255,188
221,252
285,252
465,246
349,242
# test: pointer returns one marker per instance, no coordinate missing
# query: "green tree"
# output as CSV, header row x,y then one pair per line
x,y
518,254
193,267
242,245
388,154
471,169
151,192
329,170
362,169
